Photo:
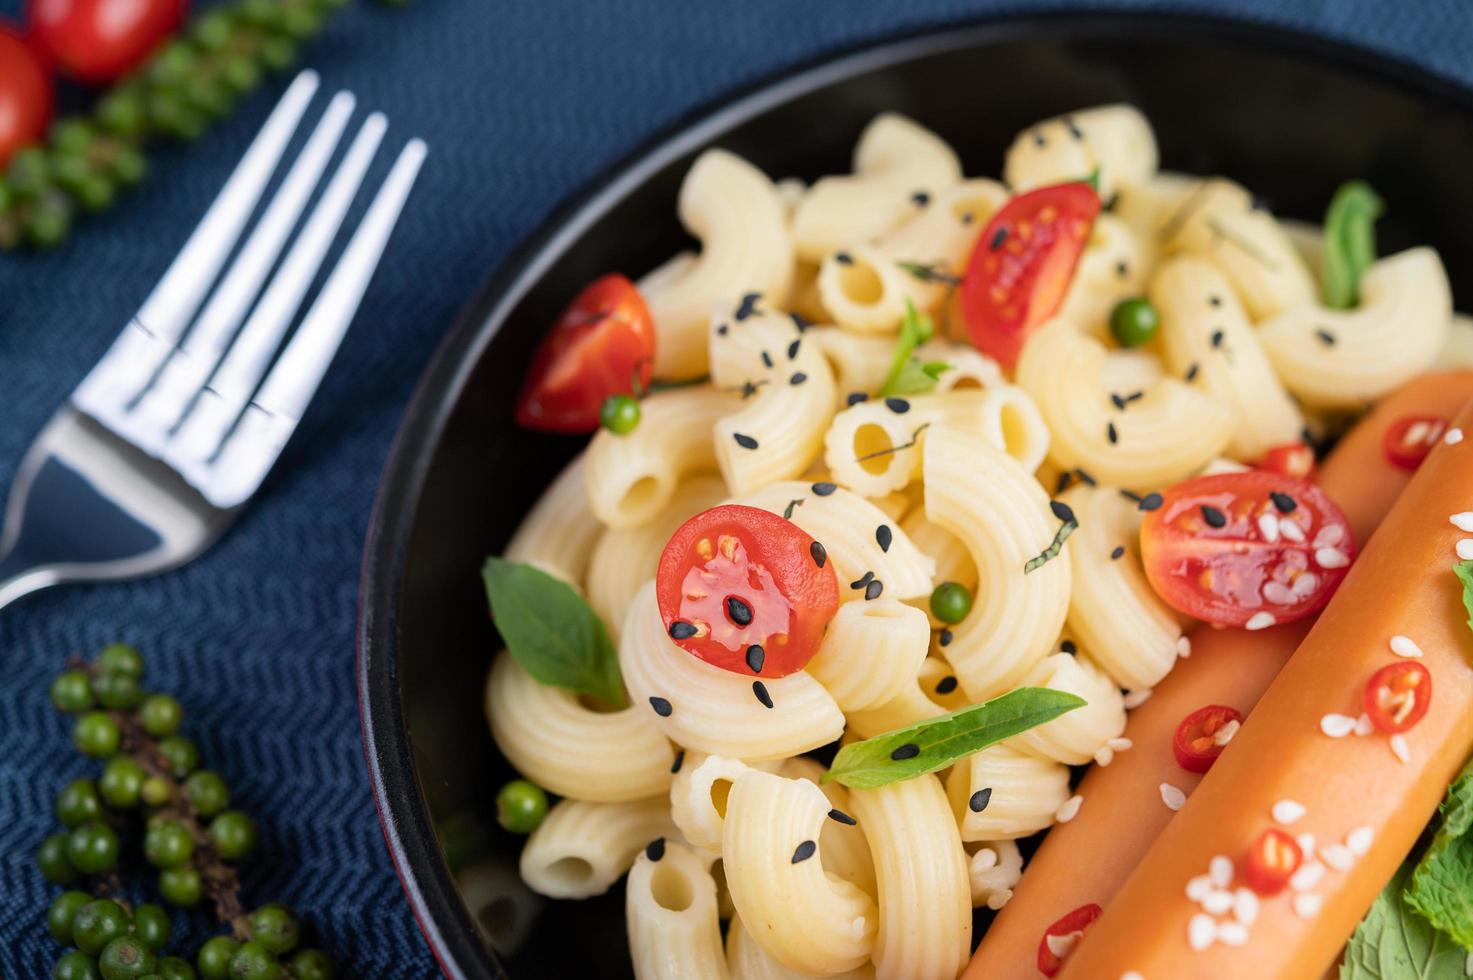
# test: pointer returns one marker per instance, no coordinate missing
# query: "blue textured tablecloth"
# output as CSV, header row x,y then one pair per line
x,y
521,102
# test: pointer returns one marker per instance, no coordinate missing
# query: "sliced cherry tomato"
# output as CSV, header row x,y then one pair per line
x,y
1272,860
26,95
746,590
1398,695
1294,459
102,40
1203,734
1022,265
1246,549
603,341
1409,439
1060,938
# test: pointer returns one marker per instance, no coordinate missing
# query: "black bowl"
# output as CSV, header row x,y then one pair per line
x,y
1288,115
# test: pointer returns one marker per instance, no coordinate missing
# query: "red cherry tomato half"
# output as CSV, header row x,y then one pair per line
x,y
1398,695
1203,734
26,95
1246,549
1291,459
101,40
746,590
1271,862
601,343
1022,265
1409,439
1060,938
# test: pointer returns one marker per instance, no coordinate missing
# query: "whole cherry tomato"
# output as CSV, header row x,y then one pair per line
x,y
25,94
98,41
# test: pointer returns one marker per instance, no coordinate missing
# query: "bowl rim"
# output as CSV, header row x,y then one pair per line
x,y
403,818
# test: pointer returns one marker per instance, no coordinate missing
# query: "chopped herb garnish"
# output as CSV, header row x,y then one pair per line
x,y
1350,242
792,506
895,449
930,272
1052,551
908,374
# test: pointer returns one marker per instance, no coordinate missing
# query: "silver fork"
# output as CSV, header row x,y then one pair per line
x,y
169,435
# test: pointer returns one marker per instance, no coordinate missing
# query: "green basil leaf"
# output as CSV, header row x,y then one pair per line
x,y
1393,942
1464,571
552,631
938,742
1350,242
1442,884
913,379
903,379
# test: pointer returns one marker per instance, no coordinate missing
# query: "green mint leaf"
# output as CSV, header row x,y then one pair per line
x,y
552,631
1442,884
1350,242
1393,942
915,330
913,379
1093,180
938,742
1464,571
935,369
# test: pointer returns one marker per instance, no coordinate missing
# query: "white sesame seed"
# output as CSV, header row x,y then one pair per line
x,y
1070,809
1199,888
1399,748
1463,520
1331,558
1330,534
1260,620
1307,905
1364,725
1120,743
1291,530
1306,583
1201,931
1278,593
1245,906
1232,934
1337,726
1359,840
1183,647
1305,842
1104,755
1220,870
1308,875
1403,646
1062,946
1268,526
1416,433
1218,903
1225,734
1173,798
1337,856
1134,699
1000,898
1288,811
1465,548
1135,974
1453,437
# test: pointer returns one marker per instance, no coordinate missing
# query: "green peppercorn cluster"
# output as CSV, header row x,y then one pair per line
x,y
151,782
186,85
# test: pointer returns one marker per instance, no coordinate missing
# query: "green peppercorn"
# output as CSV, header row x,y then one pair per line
x,y
71,691
950,602
49,217
121,782
299,22
173,968
98,923
313,964
181,886
126,958
239,72
1134,322
78,802
30,172
214,956
115,689
261,13
168,845
155,791
277,53
128,165
63,912
275,927
181,753
213,30
121,111
253,961
122,658
234,834
208,792
521,806
152,925
174,62
52,857
95,194
160,714
75,965
96,734
619,414
93,848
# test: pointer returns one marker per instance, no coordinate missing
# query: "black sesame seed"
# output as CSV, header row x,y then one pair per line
x,y
1122,270
759,689
766,359
1073,128
907,751
1192,372
681,630
824,488
1085,476
1116,400
748,306
739,611
979,800
818,554
1039,140
721,330
679,760
746,442
661,706
946,685
655,849
1326,338
998,237
1111,434
793,349
1062,484
798,378
1259,203
839,816
920,199
1213,516
1214,300
804,851
1117,552
1068,647
855,397
756,657
873,590
800,321
1151,501
883,536
1283,502
843,258
1061,510
967,218
897,405
945,638
1217,338
863,581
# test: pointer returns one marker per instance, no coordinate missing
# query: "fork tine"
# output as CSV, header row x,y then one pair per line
x,y
158,324
190,365
272,416
220,403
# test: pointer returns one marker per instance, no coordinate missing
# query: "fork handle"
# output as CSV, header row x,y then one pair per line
x,y
19,576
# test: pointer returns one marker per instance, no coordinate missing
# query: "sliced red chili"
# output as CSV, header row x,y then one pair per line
x,y
1294,459
1060,938
1203,734
1398,695
1410,438
1271,861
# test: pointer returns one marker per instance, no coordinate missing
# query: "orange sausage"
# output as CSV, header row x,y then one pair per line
x,y
1401,584
1087,859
